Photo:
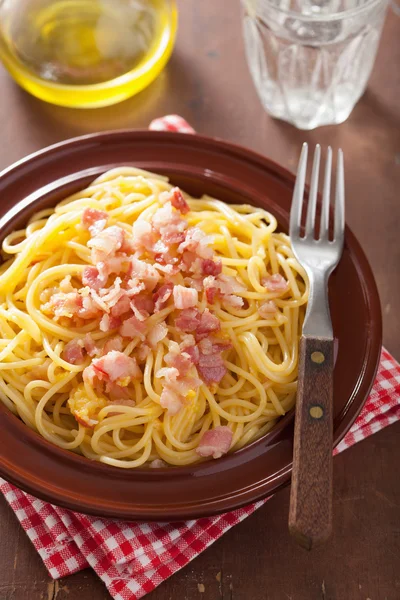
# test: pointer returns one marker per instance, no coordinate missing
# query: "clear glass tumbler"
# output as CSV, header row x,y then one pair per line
x,y
311,60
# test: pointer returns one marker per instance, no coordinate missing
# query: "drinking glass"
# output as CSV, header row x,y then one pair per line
x,y
311,60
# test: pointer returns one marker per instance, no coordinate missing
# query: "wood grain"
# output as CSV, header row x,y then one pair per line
x,y
310,514
207,81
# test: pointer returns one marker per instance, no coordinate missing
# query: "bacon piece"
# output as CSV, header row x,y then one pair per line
x,y
73,352
157,463
209,323
94,220
177,200
215,442
211,267
118,393
169,269
66,286
105,244
167,221
198,242
211,293
229,285
144,303
121,307
135,286
144,272
143,352
162,295
190,262
275,283
114,264
156,334
116,366
142,235
211,368
171,400
107,298
177,359
188,320
267,310
88,308
233,301
90,345
184,297
93,279
194,354
132,328
63,305
108,322
115,343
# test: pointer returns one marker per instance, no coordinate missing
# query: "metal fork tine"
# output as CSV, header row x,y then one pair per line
x,y
298,194
339,199
326,197
312,199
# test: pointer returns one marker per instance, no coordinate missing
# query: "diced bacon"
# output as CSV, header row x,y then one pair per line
x,y
198,242
195,283
177,359
156,334
142,235
66,286
85,421
191,262
184,297
211,368
109,323
233,301
215,442
144,272
115,264
63,305
211,293
157,463
177,200
166,258
229,285
94,220
209,323
206,346
118,394
105,244
116,367
275,283
184,385
139,313
73,352
188,320
167,221
107,298
92,278
211,267
90,345
173,237
169,269
267,310
122,306
169,373
88,309
135,286
115,343
194,353
171,400
132,328
145,303
143,352
162,295
187,340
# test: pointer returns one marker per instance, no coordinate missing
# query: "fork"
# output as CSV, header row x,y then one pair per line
x,y
310,512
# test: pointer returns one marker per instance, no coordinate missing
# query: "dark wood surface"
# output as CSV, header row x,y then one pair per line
x,y
207,82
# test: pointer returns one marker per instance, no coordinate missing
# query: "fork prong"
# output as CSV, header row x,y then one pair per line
x,y
312,199
298,194
339,199
326,197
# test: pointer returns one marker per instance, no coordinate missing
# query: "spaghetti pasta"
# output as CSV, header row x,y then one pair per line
x,y
143,327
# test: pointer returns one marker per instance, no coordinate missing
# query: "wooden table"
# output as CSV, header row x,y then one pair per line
x,y
207,81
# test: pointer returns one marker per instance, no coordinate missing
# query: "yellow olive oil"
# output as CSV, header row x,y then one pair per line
x,y
86,53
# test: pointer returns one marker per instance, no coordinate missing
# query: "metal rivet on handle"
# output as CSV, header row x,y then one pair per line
x,y
316,412
317,357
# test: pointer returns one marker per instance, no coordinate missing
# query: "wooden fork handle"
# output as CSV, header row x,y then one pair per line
x,y
310,513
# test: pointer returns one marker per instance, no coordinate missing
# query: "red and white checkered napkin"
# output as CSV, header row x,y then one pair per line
x,y
133,558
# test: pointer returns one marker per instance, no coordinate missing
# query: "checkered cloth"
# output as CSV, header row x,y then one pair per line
x,y
134,558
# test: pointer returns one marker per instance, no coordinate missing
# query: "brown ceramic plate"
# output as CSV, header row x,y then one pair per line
x,y
233,174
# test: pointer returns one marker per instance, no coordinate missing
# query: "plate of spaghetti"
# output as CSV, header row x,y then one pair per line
x,y
150,314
